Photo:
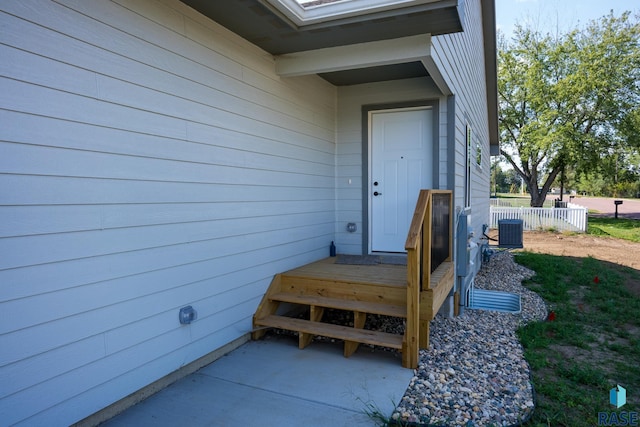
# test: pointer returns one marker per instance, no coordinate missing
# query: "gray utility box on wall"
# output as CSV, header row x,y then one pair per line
x,y
463,256
510,233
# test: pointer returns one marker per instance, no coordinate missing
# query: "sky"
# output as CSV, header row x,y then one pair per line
x,y
547,15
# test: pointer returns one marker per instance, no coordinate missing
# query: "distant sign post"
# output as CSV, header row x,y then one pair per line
x,y
617,203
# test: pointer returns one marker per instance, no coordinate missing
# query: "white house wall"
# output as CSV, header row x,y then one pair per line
x,y
149,160
460,58
349,180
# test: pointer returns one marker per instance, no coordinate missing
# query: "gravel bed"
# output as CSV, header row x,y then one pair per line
x,y
474,372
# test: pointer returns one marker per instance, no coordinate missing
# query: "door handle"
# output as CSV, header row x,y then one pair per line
x,y
375,193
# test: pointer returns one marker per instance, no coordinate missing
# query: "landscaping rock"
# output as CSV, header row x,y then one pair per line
x,y
474,372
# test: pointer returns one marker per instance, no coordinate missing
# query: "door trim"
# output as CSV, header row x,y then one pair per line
x,y
366,155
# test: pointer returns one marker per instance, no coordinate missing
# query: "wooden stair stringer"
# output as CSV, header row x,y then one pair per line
x,y
266,307
315,314
359,319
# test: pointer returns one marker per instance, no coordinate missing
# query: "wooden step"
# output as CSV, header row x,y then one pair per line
x,y
346,333
342,304
341,289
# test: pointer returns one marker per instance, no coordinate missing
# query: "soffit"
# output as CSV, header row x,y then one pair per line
x,y
262,24
376,74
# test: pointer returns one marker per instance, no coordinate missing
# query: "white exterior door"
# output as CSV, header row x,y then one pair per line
x,y
401,156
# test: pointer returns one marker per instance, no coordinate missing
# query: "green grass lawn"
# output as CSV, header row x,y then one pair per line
x,y
594,342
628,229
518,200
592,345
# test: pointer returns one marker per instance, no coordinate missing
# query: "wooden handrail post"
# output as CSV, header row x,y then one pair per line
x,y
410,350
426,245
414,247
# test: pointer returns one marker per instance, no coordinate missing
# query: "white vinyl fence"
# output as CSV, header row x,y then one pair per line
x,y
571,218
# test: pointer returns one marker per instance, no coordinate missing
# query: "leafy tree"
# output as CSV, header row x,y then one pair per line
x,y
512,181
592,185
503,181
568,100
497,176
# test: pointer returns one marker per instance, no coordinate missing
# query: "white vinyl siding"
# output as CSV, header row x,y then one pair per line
x,y
149,159
460,57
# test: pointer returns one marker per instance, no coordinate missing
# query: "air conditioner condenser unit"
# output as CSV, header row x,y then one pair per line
x,y
510,233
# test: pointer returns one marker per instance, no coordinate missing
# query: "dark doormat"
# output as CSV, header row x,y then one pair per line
x,y
393,259
371,259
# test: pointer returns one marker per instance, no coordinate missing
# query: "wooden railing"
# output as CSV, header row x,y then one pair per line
x,y
431,227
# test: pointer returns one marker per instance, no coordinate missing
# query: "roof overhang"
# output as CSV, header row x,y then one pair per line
x,y
375,61
357,41
340,11
491,71
282,26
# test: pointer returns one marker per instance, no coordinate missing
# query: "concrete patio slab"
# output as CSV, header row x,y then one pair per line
x,y
273,383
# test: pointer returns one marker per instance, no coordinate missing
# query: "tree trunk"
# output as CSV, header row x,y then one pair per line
x,y
539,195
537,199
